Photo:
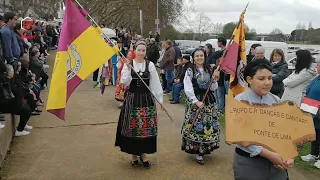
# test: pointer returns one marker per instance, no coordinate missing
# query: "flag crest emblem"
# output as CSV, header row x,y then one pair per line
x,y
74,61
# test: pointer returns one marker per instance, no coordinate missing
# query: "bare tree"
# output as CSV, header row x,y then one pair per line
x,y
277,35
276,31
39,8
198,23
126,13
218,28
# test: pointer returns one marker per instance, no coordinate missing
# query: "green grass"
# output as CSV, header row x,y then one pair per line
x,y
222,121
307,166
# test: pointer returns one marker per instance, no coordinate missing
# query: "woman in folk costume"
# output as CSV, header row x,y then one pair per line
x,y
121,88
202,137
137,125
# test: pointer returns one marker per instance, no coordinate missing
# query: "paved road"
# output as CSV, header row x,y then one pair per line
x,y
82,148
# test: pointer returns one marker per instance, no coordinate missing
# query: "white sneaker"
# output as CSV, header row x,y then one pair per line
x,y
309,158
22,133
2,126
317,164
28,128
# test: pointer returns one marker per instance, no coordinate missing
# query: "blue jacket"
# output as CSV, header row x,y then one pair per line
x,y
11,48
211,59
313,92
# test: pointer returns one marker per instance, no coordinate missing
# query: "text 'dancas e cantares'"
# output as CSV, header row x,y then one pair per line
x,y
279,128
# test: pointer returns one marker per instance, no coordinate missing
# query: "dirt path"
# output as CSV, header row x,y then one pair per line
x,y
82,148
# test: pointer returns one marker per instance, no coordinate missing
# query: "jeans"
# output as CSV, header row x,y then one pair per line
x,y
221,93
164,81
169,78
315,145
216,96
226,85
176,89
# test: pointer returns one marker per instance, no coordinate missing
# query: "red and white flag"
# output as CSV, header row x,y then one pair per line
x,y
310,105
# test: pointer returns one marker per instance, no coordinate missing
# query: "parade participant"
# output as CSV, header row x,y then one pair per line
x,y
138,123
295,84
204,134
255,162
313,91
121,88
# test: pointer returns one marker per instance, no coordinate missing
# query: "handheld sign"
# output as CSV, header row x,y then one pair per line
x,y
279,128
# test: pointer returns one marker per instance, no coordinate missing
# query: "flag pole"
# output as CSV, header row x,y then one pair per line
x,y
232,37
129,65
216,74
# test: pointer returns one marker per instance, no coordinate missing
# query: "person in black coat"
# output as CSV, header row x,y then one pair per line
x,y
279,71
210,59
26,77
36,67
153,51
178,80
16,105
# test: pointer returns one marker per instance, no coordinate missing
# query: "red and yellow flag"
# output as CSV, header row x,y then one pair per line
x,y
235,58
81,51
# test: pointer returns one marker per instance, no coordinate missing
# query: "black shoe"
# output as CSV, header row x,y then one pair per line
x,y
146,164
2,119
170,99
135,163
174,102
37,110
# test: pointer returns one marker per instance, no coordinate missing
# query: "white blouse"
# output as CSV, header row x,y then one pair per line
x,y
188,87
154,84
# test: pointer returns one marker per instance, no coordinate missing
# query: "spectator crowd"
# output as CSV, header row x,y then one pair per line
x,y
23,67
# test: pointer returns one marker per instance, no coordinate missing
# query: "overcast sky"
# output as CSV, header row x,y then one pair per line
x,y
263,15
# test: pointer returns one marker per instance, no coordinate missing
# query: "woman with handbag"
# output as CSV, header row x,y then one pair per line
x,y
11,102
